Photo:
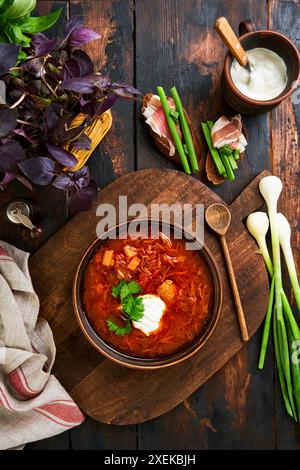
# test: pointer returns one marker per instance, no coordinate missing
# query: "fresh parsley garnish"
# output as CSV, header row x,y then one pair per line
x,y
132,306
129,288
119,330
117,289
123,289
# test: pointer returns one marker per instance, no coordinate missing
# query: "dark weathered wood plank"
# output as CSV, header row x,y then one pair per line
x,y
113,56
284,17
92,435
181,47
232,410
59,442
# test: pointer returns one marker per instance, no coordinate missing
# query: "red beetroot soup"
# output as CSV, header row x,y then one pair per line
x,y
155,265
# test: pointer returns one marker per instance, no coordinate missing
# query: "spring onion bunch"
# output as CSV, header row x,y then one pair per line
x,y
286,332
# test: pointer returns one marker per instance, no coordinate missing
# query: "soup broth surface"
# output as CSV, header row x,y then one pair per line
x,y
166,259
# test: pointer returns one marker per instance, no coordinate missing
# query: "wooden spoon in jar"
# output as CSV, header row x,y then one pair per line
x,y
225,31
218,217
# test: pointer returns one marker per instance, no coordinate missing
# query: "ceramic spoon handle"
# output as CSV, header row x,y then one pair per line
x,y
235,292
224,30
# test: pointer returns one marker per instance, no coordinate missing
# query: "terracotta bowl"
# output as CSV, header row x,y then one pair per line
x,y
135,362
277,42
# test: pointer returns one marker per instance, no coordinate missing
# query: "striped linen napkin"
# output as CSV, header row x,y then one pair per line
x,y
33,404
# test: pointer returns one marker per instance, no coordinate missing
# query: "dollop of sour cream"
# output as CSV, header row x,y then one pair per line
x,y
154,308
268,77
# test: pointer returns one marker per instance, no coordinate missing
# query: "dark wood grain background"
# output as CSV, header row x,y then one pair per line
x,y
166,42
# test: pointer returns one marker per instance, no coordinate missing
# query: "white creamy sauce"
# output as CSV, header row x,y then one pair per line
x,y
268,75
154,308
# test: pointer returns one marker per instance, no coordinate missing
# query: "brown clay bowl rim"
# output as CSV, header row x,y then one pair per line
x,y
143,363
229,59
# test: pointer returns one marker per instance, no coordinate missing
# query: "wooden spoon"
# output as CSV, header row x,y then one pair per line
x,y
225,31
218,217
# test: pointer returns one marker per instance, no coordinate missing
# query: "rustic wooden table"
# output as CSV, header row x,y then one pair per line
x,y
166,42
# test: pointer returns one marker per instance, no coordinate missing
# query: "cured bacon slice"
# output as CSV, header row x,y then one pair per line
x,y
156,119
228,132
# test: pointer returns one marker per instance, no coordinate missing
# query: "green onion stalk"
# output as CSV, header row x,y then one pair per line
x,y
206,126
173,130
185,130
285,243
285,327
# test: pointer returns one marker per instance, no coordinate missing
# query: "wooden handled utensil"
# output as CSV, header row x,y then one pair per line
x,y
225,31
218,217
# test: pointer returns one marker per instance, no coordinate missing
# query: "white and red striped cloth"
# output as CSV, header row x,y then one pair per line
x,y
33,404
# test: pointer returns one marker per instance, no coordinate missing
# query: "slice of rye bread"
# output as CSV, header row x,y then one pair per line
x,y
211,170
162,143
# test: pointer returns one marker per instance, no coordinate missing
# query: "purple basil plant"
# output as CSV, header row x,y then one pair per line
x,y
39,99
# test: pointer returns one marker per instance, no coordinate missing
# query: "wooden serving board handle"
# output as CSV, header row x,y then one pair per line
x,y
249,200
225,31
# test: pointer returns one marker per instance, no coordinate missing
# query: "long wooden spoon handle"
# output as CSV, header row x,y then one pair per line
x,y
224,30
235,292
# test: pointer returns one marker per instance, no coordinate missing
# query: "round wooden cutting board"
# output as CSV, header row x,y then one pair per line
x,y
114,394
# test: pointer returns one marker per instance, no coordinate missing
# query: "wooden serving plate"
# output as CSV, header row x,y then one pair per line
x,y
114,394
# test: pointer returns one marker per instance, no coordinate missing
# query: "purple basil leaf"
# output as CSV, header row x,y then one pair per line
x,y
8,57
50,117
79,36
8,121
71,69
42,45
124,90
8,177
69,135
82,143
78,180
64,181
84,62
23,134
95,108
59,130
83,101
62,156
82,177
11,153
90,108
107,103
83,199
103,83
39,170
34,66
75,21
24,181
78,85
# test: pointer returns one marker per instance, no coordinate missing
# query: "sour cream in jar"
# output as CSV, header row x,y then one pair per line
x,y
268,77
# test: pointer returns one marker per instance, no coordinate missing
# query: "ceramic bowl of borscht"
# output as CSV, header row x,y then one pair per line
x,y
147,300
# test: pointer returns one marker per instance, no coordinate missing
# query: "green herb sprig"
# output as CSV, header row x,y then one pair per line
x,y
132,307
17,25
